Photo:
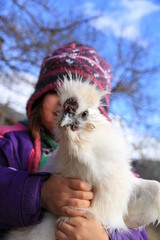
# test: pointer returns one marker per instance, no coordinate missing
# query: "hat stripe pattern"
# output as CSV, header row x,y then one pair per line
x,y
79,60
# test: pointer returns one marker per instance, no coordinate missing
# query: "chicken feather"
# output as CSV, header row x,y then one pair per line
x,y
97,153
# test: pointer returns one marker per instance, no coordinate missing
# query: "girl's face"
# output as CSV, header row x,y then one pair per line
x,y
50,111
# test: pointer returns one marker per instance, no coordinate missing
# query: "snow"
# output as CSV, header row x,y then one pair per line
x,y
17,93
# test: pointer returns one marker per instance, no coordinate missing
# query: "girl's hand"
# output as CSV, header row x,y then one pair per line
x,y
81,228
61,196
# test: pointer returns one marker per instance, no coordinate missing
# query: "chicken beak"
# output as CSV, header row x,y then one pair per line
x,y
66,120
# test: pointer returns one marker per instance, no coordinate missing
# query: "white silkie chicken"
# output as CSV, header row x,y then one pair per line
x,y
90,148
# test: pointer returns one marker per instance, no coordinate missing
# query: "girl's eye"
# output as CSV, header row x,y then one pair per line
x,y
84,115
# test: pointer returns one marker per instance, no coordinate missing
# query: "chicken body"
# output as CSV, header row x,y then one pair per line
x,y
90,148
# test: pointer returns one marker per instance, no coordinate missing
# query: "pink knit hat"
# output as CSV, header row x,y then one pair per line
x,y
79,59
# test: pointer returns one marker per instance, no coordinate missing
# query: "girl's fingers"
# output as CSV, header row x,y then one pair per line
x,y
65,228
82,195
77,184
60,235
76,221
78,203
64,231
72,212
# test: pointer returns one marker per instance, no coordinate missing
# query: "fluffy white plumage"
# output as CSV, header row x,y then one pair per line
x,y
91,149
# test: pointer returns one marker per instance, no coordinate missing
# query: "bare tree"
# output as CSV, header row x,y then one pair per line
x,y
30,29
134,75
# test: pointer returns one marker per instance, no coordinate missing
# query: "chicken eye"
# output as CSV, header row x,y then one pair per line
x,y
84,115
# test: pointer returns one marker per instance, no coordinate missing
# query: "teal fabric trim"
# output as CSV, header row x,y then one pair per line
x,y
48,145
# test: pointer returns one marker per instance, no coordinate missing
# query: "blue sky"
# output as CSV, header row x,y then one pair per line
x,y
134,20
132,15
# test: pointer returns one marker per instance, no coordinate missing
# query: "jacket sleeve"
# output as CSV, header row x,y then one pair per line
x,y
20,197
20,191
133,234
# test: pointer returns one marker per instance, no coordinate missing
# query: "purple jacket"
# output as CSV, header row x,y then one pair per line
x,y
20,191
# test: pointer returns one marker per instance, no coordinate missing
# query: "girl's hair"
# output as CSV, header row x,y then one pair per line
x,y
35,119
35,122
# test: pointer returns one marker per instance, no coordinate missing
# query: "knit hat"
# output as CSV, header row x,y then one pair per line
x,y
79,60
